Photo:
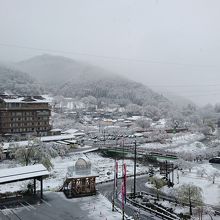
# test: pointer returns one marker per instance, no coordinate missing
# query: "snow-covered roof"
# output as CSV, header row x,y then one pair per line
x,y
109,120
138,134
24,100
22,173
74,132
62,142
6,145
81,169
55,129
71,131
134,118
71,141
57,137
127,121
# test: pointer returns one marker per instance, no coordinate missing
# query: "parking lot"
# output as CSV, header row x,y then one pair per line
x,y
55,206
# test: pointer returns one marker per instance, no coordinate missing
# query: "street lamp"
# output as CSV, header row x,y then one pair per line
x,y
135,161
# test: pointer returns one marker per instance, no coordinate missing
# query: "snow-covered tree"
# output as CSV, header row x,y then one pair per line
x,y
201,171
212,174
58,149
1,151
189,110
158,184
133,109
209,211
143,123
57,101
157,136
190,194
152,112
217,107
176,119
89,101
35,152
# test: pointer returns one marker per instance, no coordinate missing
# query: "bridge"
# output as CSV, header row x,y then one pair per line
x,y
129,149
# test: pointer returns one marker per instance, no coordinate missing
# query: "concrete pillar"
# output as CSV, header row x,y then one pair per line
x,y
41,188
34,186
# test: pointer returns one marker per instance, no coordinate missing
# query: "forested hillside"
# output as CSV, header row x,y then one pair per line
x,y
70,78
18,82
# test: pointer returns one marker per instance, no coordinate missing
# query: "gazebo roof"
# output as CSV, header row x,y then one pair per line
x,y
82,169
82,163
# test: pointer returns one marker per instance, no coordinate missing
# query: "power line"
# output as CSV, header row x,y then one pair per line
x,y
185,86
103,56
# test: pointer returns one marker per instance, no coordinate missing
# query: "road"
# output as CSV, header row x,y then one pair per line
x,y
56,207
106,190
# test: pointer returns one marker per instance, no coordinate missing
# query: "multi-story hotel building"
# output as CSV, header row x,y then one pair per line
x,y
24,114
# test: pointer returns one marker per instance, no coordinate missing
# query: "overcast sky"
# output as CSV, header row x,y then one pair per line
x,y
166,44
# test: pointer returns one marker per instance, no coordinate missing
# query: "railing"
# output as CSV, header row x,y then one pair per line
x,y
164,214
175,200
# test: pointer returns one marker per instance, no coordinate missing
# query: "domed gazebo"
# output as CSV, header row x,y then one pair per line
x,y
83,164
80,180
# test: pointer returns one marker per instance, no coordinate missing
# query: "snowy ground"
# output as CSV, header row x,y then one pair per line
x,y
211,192
181,209
176,143
102,166
97,207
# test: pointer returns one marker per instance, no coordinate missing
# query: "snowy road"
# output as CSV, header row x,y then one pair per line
x,y
106,190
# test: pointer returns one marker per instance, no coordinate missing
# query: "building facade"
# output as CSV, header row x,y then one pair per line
x,y
22,115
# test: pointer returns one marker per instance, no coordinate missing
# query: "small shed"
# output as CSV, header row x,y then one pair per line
x,y
35,172
80,179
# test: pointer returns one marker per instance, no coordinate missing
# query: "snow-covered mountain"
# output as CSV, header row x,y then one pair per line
x,y
64,76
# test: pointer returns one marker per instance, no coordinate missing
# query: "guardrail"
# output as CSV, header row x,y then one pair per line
x,y
175,200
169,216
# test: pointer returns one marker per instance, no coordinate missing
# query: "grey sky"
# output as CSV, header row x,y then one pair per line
x,y
168,42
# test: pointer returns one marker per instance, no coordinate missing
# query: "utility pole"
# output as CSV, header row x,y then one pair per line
x,y
104,138
123,156
166,169
173,173
113,193
135,161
